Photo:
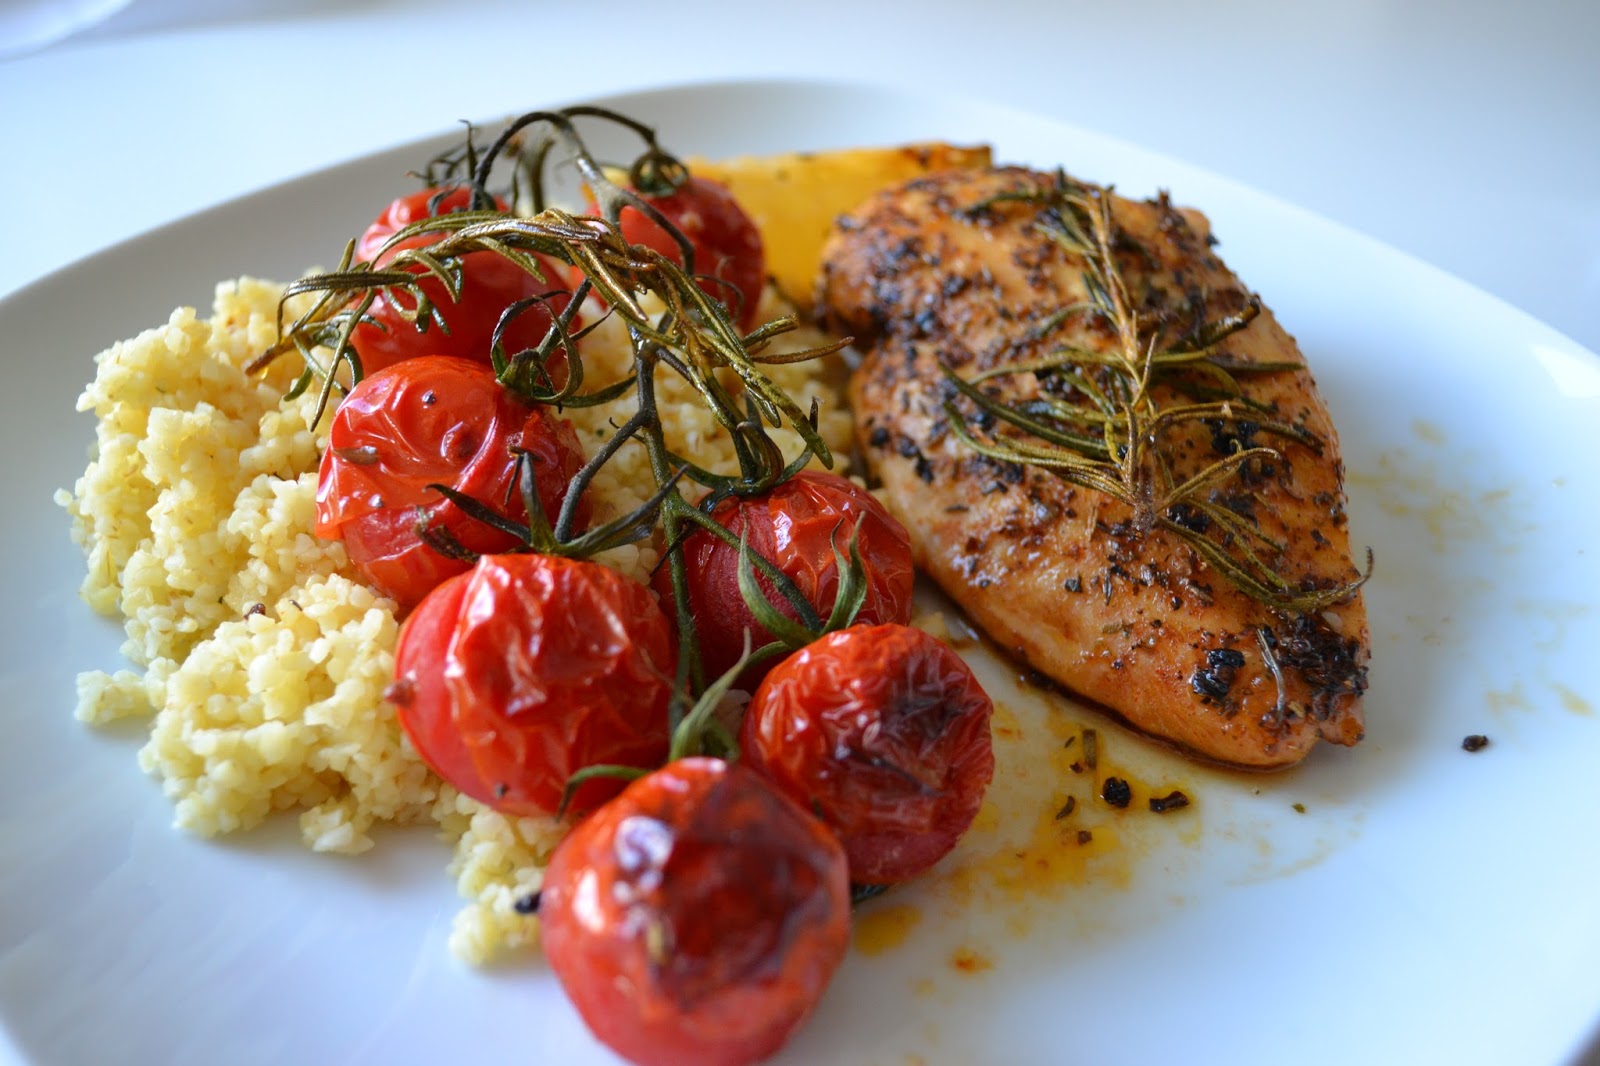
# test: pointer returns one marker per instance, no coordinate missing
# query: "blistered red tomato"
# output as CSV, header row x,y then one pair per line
x,y
696,919
797,526
728,253
551,665
489,285
439,420
419,690
884,732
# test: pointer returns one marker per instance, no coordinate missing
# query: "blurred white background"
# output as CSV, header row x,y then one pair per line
x,y
1466,133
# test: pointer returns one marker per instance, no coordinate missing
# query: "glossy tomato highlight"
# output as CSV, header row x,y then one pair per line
x,y
796,526
884,733
696,919
419,693
439,420
550,665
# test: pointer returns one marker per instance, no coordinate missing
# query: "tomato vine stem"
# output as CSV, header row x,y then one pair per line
x,y
673,324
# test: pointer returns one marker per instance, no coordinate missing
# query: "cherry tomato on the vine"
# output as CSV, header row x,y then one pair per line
x,y
549,665
727,245
419,689
432,202
797,526
443,420
884,733
489,285
696,919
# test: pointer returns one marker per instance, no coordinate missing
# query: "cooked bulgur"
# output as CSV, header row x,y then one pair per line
x,y
264,658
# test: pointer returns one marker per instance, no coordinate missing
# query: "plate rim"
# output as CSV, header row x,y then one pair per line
x,y
207,217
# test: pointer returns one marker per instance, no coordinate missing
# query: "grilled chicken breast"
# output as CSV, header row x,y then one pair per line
x,y
1117,597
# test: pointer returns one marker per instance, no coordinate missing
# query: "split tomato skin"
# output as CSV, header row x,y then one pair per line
x,y
696,919
444,420
550,665
726,241
884,732
797,526
489,285
559,664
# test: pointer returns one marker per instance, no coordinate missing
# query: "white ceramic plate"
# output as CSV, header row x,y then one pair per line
x,y
1428,905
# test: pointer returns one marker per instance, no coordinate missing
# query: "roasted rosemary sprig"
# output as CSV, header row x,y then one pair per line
x,y
690,334
1101,416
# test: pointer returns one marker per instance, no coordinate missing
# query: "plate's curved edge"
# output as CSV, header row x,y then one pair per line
x,y
293,187
1184,172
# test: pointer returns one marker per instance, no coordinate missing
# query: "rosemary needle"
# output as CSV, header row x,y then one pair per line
x,y
1100,415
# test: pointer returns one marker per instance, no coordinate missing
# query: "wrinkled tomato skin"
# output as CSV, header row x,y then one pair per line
x,y
441,420
489,285
727,244
796,525
554,665
884,732
696,919
419,692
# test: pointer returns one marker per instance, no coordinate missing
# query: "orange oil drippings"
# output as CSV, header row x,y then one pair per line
x,y
884,926
969,962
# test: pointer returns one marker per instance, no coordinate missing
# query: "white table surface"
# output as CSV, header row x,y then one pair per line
x,y
1466,134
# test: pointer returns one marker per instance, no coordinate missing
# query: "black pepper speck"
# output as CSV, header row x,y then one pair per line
x,y
1116,792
